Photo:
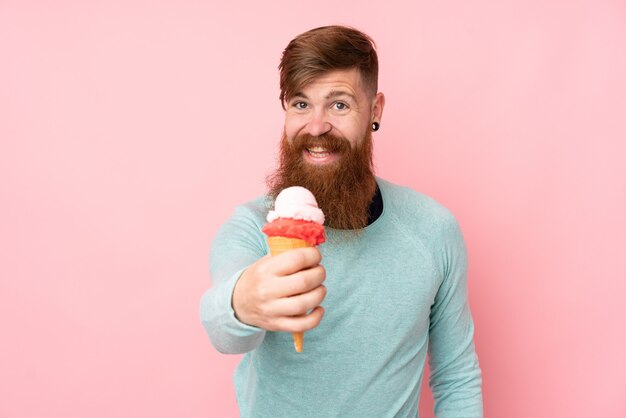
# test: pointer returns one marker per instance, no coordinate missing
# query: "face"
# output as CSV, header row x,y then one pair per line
x,y
327,147
337,104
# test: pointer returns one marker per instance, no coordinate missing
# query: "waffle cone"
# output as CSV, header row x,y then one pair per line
x,y
279,245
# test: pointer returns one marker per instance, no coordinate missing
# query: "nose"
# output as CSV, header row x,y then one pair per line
x,y
318,125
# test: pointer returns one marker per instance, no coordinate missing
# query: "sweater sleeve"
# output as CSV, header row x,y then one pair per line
x,y
237,244
455,377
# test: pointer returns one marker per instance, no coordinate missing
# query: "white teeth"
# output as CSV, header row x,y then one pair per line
x,y
318,152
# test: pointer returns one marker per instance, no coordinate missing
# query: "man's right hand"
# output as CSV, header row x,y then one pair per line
x,y
275,293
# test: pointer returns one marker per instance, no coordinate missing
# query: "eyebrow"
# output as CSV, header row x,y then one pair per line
x,y
331,95
337,93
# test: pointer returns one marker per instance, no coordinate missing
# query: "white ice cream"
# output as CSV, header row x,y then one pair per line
x,y
296,203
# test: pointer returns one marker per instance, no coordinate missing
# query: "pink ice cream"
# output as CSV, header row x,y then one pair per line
x,y
296,203
296,215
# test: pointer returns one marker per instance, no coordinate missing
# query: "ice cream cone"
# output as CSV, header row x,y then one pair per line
x,y
279,245
295,222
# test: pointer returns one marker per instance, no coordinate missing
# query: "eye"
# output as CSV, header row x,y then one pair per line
x,y
300,105
340,106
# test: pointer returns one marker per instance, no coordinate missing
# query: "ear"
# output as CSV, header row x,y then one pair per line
x,y
378,104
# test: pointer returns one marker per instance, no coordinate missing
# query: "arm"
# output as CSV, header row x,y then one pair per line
x,y
455,377
237,244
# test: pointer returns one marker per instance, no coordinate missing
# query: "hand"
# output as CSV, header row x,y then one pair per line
x,y
275,293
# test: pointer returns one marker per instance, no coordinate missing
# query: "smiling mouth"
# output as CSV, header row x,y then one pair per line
x,y
318,152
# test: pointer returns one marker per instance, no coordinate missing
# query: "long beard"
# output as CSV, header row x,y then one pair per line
x,y
343,188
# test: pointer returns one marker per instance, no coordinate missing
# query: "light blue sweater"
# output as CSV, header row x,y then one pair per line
x,y
395,291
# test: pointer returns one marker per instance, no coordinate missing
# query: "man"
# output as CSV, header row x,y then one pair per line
x,y
391,276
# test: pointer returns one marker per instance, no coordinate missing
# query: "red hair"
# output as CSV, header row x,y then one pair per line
x,y
325,49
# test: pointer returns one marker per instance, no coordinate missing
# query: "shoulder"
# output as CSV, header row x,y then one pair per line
x,y
413,207
254,210
428,222
246,221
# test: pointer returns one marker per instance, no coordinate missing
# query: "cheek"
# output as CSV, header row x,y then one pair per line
x,y
354,134
292,127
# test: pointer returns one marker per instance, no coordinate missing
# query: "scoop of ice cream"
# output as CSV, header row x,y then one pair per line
x,y
308,231
296,203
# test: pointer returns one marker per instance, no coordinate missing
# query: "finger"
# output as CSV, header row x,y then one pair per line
x,y
300,323
301,281
294,260
273,288
299,304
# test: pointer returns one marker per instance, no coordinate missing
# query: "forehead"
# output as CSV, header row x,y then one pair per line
x,y
334,82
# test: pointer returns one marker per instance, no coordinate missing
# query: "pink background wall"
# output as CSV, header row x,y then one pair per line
x,y
130,130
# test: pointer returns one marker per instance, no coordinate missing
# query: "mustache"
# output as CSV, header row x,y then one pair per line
x,y
332,143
